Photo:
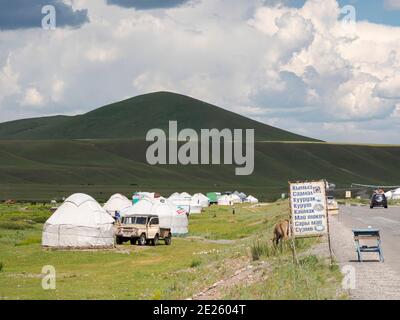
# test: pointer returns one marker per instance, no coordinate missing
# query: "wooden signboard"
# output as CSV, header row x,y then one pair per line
x,y
309,208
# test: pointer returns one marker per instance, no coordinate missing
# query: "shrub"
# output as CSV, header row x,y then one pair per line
x,y
258,249
195,263
40,219
12,225
1,266
28,241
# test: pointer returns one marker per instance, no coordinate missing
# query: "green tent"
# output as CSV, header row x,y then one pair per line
x,y
213,197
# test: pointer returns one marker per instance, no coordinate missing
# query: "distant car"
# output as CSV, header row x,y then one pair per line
x,y
332,203
379,200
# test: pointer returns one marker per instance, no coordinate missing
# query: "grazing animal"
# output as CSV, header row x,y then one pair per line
x,y
281,231
10,201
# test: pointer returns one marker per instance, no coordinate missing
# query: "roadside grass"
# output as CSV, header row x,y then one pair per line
x,y
220,223
178,271
312,279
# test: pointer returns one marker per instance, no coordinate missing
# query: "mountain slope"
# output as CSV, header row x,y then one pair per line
x,y
46,169
133,118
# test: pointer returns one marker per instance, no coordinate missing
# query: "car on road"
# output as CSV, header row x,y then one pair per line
x,y
379,200
142,229
332,203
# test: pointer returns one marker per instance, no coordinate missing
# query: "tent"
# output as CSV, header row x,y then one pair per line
x,y
185,195
393,195
80,222
117,202
181,200
235,198
201,199
225,200
251,199
212,197
242,196
170,215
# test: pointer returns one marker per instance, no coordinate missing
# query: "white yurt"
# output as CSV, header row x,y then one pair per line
x,y
225,200
201,199
181,200
195,208
80,222
251,199
393,195
235,198
169,215
242,196
117,202
389,195
185,195
143,206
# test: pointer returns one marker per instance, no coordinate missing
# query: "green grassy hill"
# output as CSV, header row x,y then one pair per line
x,y
133,118
103,152
43,169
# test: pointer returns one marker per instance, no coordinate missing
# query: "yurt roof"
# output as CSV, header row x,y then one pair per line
x,y
79,198
185,194
80,209
143,206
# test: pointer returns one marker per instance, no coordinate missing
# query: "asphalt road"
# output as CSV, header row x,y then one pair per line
x,y
386,220
374,280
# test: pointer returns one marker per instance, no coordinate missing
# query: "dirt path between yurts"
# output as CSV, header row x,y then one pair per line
x,y
245,274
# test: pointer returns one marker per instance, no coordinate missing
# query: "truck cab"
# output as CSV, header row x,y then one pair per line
x,y
142,229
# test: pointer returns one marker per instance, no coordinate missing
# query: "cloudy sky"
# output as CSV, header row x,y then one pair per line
x,y
305,66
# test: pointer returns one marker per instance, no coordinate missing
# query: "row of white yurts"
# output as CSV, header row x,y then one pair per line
x,y
234,198
81,222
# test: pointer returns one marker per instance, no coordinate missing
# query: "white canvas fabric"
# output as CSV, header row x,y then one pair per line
x,y
235,198
117,202
389,195
225,200
393,195
169,214
181,200
80,222
200,199
143,206
242,196
195,208
251,199
185,195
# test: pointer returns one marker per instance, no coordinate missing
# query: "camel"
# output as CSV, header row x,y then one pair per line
x,y
281,231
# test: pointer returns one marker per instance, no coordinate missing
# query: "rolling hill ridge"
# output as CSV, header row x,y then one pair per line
x,y
104,151
133,118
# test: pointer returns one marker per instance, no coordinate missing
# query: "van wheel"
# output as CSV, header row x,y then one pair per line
x,y
133,241
155,240
142,240
371,207
386,207
167,240
119,240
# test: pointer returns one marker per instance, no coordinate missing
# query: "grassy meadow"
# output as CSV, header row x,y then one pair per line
x,y
219,245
